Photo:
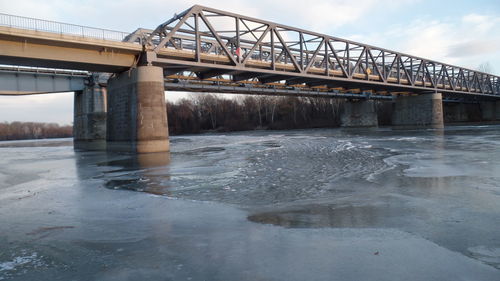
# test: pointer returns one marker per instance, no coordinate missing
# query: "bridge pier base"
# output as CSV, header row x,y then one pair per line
x,y
455,112
89,118
137,117
497,110
359,113
490,110
422,111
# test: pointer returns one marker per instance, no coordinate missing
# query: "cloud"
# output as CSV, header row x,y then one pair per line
x,y
127,15
323,16
474,48
40,108
465,41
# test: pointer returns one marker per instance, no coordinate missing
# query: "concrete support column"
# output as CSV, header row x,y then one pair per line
x,y
455,112
497,110
360,113
489,110
89,118
422,111
137,116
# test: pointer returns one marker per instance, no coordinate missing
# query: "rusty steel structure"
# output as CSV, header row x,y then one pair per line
x,y
214,48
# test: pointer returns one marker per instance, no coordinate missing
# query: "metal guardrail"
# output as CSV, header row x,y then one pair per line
x,y
60,28
42,70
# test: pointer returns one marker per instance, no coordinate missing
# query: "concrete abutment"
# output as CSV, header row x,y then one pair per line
x,y
359,113
137,117
490,110
421,111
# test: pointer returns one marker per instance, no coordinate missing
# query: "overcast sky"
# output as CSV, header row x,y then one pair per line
x,y
465,34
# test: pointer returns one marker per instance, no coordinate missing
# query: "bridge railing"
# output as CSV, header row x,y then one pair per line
x,y
42,70
60,28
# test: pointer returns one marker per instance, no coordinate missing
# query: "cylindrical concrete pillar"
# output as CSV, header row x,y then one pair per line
x,y
422,111
137,117
360,113
89,118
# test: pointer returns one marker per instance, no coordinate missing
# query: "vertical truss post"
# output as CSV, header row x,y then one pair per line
x,y
412,79
197,37
273,58
301,42
238,39
327,58
348,60
398,59
366,64
383,66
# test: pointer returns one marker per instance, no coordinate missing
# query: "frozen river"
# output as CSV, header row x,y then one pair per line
x,y
324,204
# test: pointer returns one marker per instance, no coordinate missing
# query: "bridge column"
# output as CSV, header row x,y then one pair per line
x,y
455,112
490,110
497,110
89,118
359,113
137,116
422,111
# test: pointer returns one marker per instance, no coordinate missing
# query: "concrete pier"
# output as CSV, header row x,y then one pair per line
x,y
497,110
455,112
89,118
137,117
422,111
359,113
490,110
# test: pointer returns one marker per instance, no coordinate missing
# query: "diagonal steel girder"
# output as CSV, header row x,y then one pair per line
x,y
255,48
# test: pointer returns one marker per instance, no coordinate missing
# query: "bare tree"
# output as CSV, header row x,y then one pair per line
x,y
485,67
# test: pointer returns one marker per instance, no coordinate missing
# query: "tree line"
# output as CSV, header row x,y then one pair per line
x,y
33,130
210,112
202,112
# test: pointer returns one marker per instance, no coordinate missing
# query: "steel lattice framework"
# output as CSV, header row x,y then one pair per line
x,y
205,44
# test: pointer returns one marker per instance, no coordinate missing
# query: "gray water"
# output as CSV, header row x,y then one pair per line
x,y
435,191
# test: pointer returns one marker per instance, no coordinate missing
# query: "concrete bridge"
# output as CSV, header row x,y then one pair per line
x,y
208,50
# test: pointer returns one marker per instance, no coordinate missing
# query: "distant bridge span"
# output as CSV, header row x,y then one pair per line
x,y
208,50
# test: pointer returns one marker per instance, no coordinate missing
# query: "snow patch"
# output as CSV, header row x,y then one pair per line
x,y
21,261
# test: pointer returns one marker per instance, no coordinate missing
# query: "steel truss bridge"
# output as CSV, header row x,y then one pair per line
x,y
203,43
208,50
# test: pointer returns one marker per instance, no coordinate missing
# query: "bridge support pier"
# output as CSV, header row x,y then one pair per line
x,y
137,117
359,113
490,110
497,110
456,112
422,111
89,118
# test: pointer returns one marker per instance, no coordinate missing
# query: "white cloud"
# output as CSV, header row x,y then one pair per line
x,y
318,15
324,15
40,108
465,41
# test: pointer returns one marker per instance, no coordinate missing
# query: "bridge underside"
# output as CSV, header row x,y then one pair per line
x,y
30,81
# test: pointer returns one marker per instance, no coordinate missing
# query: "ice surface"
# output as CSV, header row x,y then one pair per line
x,y
295,205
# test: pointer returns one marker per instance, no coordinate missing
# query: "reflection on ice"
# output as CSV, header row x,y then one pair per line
x,y
147,172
